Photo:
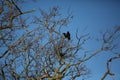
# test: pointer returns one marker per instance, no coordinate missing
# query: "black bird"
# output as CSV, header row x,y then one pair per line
x,y
67,35
62,54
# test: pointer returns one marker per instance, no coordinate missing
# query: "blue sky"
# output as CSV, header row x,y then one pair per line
x,y
96,15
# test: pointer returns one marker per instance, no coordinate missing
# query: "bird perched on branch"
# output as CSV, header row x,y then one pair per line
x,y
62,54
67,35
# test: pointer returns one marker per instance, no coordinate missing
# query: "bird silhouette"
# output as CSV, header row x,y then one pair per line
x,y
62,54
67,35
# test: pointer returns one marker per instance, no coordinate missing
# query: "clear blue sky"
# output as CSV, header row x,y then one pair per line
x,y
96,15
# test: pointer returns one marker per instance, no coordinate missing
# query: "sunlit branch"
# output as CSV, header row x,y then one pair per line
x,y
108,72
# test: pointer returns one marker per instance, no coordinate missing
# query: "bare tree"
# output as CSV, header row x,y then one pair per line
x,y
109,39
43,52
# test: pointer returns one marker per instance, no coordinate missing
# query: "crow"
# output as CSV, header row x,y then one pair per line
x,y
62,54
67,35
